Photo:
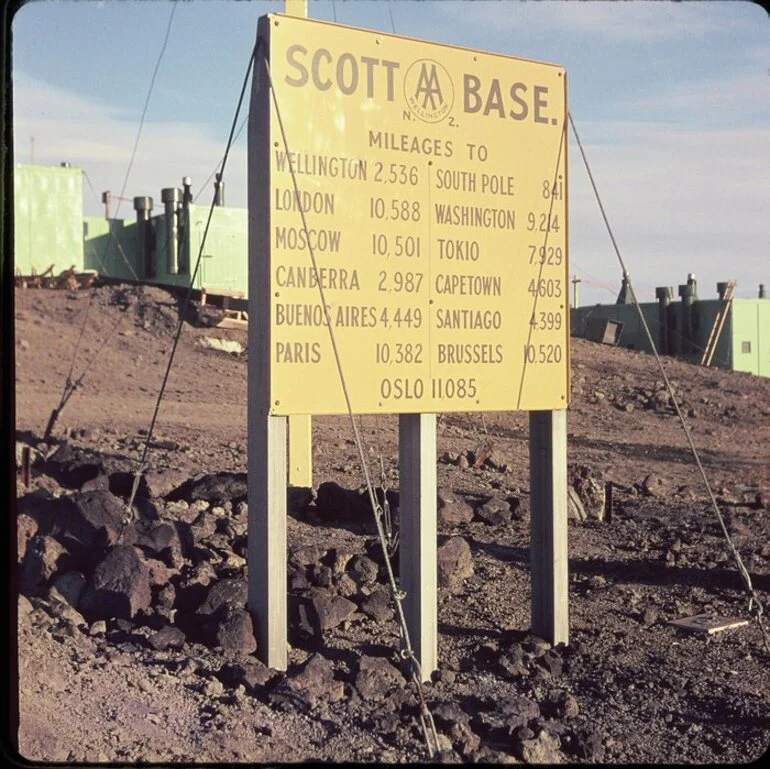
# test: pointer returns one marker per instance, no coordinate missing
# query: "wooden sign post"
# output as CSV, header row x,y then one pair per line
x,y
548,524
417,534
407,255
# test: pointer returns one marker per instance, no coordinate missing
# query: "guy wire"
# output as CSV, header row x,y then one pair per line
x,y
407,652
128,515
756,608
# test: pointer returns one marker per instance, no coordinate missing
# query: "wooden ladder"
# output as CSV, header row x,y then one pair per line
x,y
719,322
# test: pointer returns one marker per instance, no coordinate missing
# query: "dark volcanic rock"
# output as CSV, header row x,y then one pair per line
x,y
455,723
327,610
121,483
72,467
99,483
587,745
559,704
218,488
494,512
253,675
45,509
451,510
454,562
320,575
313,683
552,663
306,556
298,579
363,569
511,664
543,749
334,503
168,637
93,522
653,485
231,593
119,586
26,528
44,557
204,526
235,633
70,587
160,483
164,542
510,716
298,498
376,678
378,605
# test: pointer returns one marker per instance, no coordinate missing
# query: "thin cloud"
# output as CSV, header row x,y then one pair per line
x,y
611,21
725,99
98,138
679,200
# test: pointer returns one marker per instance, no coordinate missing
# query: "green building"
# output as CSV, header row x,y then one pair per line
x,y
164,247
47,218
683,328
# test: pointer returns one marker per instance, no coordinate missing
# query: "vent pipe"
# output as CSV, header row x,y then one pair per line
x,y
576,291
689,294
219,190
663,295
143,208
624,297
183,250
762,294
106,200
187,191
171,197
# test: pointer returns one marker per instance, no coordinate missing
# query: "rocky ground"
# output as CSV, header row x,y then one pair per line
x,y
134,643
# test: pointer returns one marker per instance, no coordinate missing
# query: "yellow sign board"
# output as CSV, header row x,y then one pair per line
x,y
414,196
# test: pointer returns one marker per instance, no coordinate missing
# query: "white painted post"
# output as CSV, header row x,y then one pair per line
x,y
417,535
267,434
267,537
548,524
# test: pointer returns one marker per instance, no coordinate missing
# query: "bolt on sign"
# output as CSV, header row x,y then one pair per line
x,y
430,184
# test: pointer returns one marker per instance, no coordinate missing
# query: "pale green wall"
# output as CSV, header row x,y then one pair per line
x,y
48,218
224,266
748,321
632,334
751,325
109,247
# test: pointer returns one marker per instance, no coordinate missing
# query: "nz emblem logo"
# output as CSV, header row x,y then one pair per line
x,y
428,90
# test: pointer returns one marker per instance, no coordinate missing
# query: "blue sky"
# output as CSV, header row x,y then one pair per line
x,y
672,101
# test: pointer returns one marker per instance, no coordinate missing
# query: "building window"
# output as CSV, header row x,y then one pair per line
x,y
745,347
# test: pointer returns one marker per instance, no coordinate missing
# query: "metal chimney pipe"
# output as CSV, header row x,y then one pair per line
x,y
143,208
171,197
576,291
219,190
762,294
688,294
693,285
106,200
187,193
183,251
663,295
